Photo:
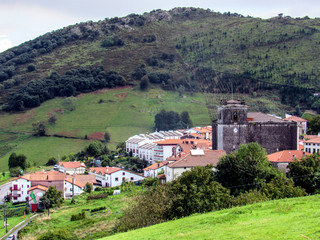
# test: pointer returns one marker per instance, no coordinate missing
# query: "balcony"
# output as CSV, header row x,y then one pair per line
x,y
15,189
15,195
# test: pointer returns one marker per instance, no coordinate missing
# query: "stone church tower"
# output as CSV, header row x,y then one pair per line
x,y
233,127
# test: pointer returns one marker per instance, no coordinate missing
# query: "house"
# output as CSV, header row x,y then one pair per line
x,y
154,169
202,132
187,161
281,160
19,186
146,151
166,148
75,185
35,193
302,123
114,176
72,167
312,145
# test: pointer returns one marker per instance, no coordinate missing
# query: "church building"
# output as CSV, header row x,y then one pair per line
x,y
236,126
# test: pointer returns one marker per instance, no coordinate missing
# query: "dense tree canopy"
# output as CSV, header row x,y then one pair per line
x,y
17,161
244,169
170,120
306,173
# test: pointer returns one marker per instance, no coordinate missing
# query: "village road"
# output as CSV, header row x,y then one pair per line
x,y
4,190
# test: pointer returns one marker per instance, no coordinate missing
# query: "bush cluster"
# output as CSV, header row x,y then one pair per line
x,y
78,216
99,196
97,209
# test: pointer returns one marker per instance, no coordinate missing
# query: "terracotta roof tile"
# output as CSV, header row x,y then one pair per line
x,y
169,142
43,188
313,140
155,166
287,156
81,180
295,119
72,164
209,157
105,170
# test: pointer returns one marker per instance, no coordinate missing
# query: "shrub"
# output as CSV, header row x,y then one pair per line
x,y
249,197
60,234
99,196
111,41
15,172
52,161
78,216
97,209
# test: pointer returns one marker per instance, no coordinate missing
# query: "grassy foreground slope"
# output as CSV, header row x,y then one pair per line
x,y
296,218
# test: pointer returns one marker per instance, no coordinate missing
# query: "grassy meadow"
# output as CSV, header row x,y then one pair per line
x,y
295,218
97,224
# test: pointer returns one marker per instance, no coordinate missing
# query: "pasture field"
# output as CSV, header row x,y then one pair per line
x,y
295,218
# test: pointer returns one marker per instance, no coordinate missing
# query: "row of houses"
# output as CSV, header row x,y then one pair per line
x,y
157,146
69,179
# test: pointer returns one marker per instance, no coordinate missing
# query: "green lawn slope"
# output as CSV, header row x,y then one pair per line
x,y
296,218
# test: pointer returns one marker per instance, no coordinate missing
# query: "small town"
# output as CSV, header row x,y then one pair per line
x,y
159,120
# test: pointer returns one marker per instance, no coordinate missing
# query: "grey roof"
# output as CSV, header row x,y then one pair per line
x,y
148,145
135,140
263,117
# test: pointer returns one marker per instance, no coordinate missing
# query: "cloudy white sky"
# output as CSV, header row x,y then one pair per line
x,y
23,20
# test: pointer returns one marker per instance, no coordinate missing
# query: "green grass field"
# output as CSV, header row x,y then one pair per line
x,y
96,225
296,218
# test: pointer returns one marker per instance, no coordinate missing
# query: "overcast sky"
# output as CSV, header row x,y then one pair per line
x,y
23,20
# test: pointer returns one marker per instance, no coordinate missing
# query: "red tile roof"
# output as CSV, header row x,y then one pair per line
x,y
286,156
169,142
155,166
105,170
45,176
295,119
72,164
81,180
313,140
189,160
43,188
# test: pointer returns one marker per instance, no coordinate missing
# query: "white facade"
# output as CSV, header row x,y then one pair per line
x,y
162,152
19,190
174,173
311,147
153,172
68,187
71,171
116,178
146,152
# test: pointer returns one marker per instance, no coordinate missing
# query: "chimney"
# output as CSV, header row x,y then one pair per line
x,y
303,154
318,134
158,164
73,181
293,157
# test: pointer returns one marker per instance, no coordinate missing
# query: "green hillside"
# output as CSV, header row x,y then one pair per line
x,y
196,49
295,218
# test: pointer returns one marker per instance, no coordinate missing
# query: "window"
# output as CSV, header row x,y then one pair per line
x,y
123,173
131,178
15,198
235,116
27,186
123,179
116,179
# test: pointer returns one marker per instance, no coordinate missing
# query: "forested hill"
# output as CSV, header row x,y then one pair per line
x,y
185,49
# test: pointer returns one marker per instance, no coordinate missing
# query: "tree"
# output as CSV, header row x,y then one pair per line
x,y
52,161
17,161
39,128
51,198
185,118
167,120
88,187
144,84
306,173
52,119
95,149
107,137
196,191
247,168
121,147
